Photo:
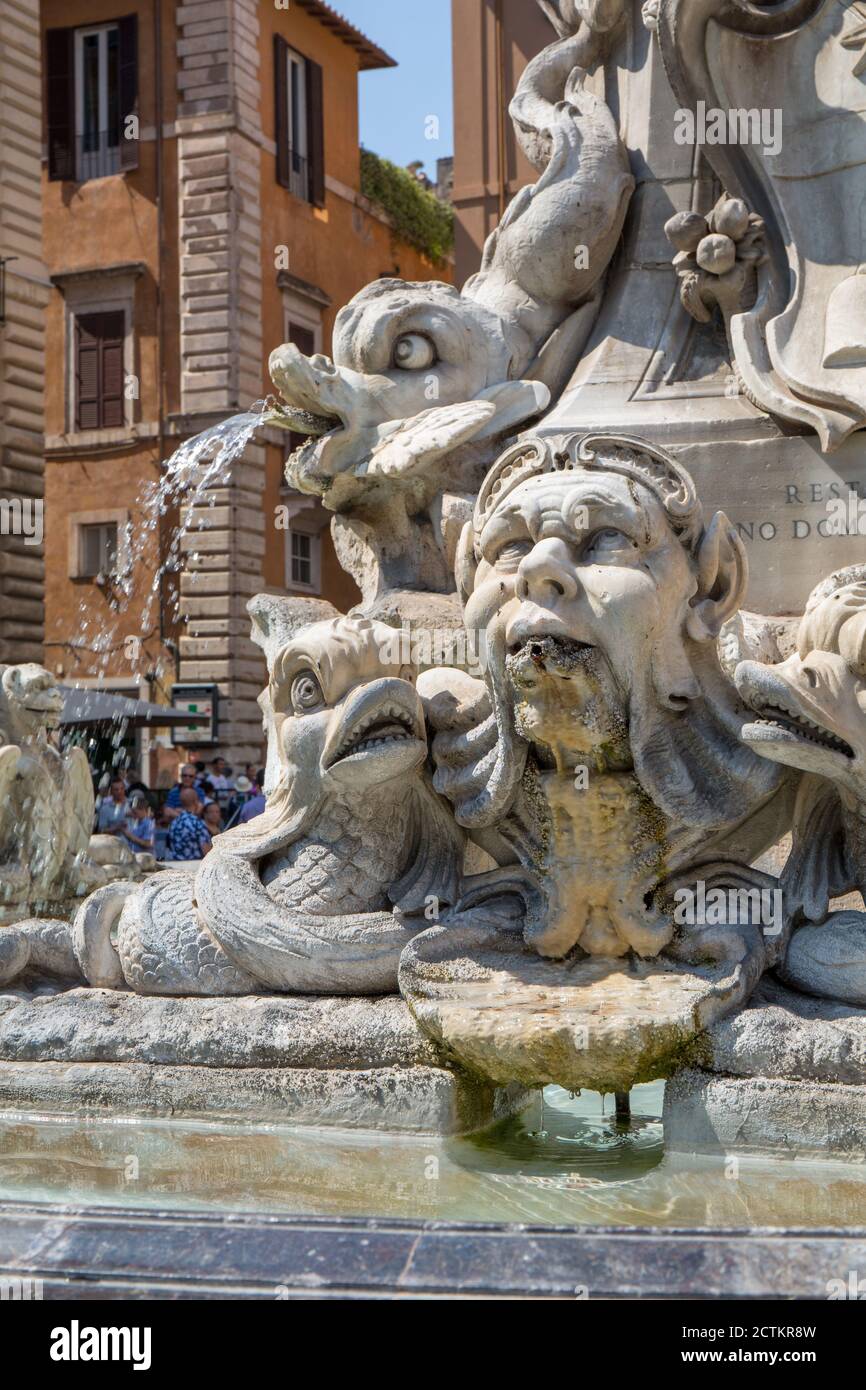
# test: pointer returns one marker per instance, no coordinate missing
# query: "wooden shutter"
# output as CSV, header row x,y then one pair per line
x,y
112,372
316,132
304,339
60,102
281,109
128,86
99,376
87,372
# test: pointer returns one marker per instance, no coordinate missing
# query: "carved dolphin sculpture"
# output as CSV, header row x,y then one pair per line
x,y
812,711
813,706
322,892
424,377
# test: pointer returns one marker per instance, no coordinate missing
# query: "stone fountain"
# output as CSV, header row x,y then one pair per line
x,y
628,841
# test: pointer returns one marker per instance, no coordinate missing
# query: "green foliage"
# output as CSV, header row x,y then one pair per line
x,y
418,217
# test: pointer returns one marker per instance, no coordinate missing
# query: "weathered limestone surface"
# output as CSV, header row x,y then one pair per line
x,y
830,960
790,1036
602,1024
786,1076
416,1099
757,1115
101,1025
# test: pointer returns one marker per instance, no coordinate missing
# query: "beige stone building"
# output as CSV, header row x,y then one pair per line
x,y
24,290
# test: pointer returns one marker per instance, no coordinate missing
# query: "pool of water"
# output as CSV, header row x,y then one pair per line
x,y
573,1164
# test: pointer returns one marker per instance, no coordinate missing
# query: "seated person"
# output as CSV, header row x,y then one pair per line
x,y
186,778
213,818
114,810
188,837
253,808
139,831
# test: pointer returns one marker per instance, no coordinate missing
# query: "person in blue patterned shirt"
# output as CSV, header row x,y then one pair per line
x,y
188,836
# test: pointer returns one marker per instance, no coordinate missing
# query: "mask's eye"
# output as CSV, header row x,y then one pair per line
x,y
609,545
511,553
306,693
413,352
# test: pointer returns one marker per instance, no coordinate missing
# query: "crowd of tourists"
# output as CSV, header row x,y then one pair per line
x,y
206,799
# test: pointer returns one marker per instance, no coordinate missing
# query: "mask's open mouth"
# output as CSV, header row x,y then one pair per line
x,y
780,722
549,656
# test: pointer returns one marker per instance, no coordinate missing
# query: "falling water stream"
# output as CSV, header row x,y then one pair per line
x,y
189,483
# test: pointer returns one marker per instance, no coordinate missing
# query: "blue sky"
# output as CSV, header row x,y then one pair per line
x,y
396,102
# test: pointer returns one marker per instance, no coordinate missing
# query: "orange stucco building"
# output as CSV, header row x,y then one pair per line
x,y
201,203
492,42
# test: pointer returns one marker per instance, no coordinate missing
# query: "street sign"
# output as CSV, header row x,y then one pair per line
x,y
200,700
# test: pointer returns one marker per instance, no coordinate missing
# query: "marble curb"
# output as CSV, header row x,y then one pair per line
x,y
348,1063
759,1115
112,1253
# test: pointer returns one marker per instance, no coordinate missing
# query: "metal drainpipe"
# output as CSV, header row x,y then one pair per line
x,y
160,385
502,131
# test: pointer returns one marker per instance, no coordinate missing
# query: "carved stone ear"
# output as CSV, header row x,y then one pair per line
x,y
465,564
723,576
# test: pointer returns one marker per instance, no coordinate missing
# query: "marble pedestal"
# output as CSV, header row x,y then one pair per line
x,y
351,1063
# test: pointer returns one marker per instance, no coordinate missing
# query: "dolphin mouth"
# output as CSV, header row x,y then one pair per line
x,y
51,705
782,720
777,724
379,725
374,736
299,420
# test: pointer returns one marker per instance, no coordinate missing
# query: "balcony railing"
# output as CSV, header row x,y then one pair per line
x,y
91,156
299,176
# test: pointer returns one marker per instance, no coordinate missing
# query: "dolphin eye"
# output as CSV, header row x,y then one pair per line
x,y
413,352
306,693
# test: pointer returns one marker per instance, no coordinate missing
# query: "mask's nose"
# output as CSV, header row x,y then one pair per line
x,y
546,574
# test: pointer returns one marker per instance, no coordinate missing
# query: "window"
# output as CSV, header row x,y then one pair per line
x,y
299,180
303,560
91,90
299,124
97,549
97,101
99,378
